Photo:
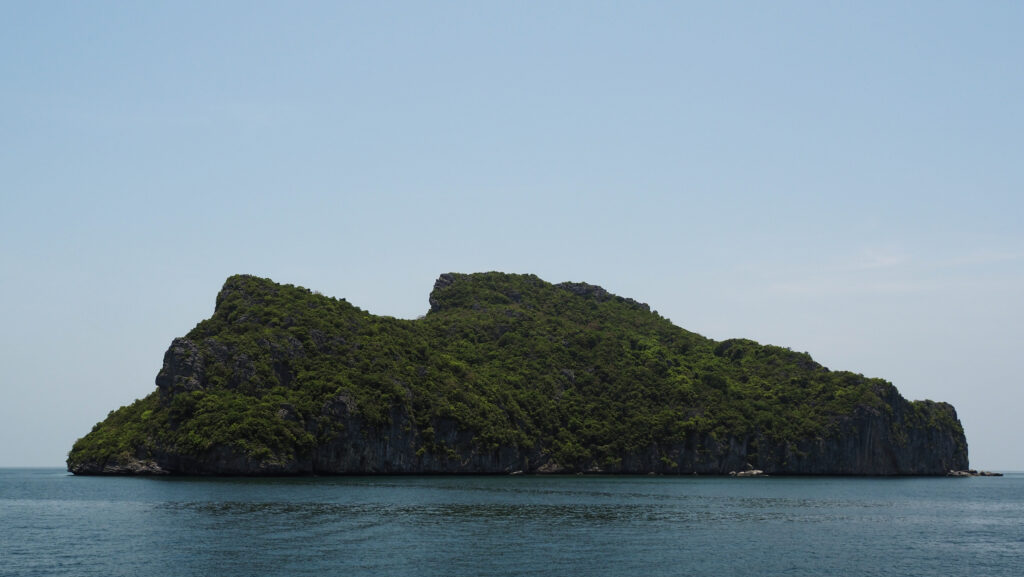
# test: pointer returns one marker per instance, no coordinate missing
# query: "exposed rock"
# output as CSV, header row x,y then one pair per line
x,y
183,368
599,294
444,281
750,473
549,468
129,466
972,473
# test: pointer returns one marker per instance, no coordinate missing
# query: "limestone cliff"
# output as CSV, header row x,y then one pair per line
x,y
506,373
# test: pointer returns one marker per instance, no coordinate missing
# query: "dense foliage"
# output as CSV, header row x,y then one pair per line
x,y
580,373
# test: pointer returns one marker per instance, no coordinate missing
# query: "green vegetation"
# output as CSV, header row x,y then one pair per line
x,y
583,375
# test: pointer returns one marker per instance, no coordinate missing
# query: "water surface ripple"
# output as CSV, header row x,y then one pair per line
x,y
56,524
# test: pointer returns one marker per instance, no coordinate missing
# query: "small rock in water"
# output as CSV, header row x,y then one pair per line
x,y
973,473
750,473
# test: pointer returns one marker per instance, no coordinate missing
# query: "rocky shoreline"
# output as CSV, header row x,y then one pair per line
x,y
973,473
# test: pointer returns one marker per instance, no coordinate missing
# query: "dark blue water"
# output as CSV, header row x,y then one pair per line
x,y
55,524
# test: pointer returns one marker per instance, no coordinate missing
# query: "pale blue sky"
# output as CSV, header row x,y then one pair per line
x,y
842,179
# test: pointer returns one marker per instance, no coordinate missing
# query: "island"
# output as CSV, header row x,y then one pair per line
x,y
505,374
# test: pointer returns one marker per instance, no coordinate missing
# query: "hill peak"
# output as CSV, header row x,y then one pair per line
x,y
476,290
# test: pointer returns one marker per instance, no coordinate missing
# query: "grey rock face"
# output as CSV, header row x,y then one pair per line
x,y
128,467
597,293
183,368
867,443
444,281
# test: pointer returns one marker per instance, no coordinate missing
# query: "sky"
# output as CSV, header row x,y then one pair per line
x,y
844,179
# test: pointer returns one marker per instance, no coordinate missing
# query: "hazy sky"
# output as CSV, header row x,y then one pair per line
x,y
842,179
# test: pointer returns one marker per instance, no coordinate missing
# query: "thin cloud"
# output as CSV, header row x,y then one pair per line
x,y
831,287
980,258
874,260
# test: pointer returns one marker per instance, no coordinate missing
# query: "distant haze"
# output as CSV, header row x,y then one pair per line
x,y
841,180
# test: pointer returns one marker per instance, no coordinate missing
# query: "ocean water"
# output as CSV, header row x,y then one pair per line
x,y
52,523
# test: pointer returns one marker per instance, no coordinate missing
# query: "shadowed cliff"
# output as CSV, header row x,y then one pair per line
x,y
505,373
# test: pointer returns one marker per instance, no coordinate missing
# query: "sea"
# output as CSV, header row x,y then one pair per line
x,y
53,523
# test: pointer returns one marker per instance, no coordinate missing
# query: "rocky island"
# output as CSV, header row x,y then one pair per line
x,y
505,374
